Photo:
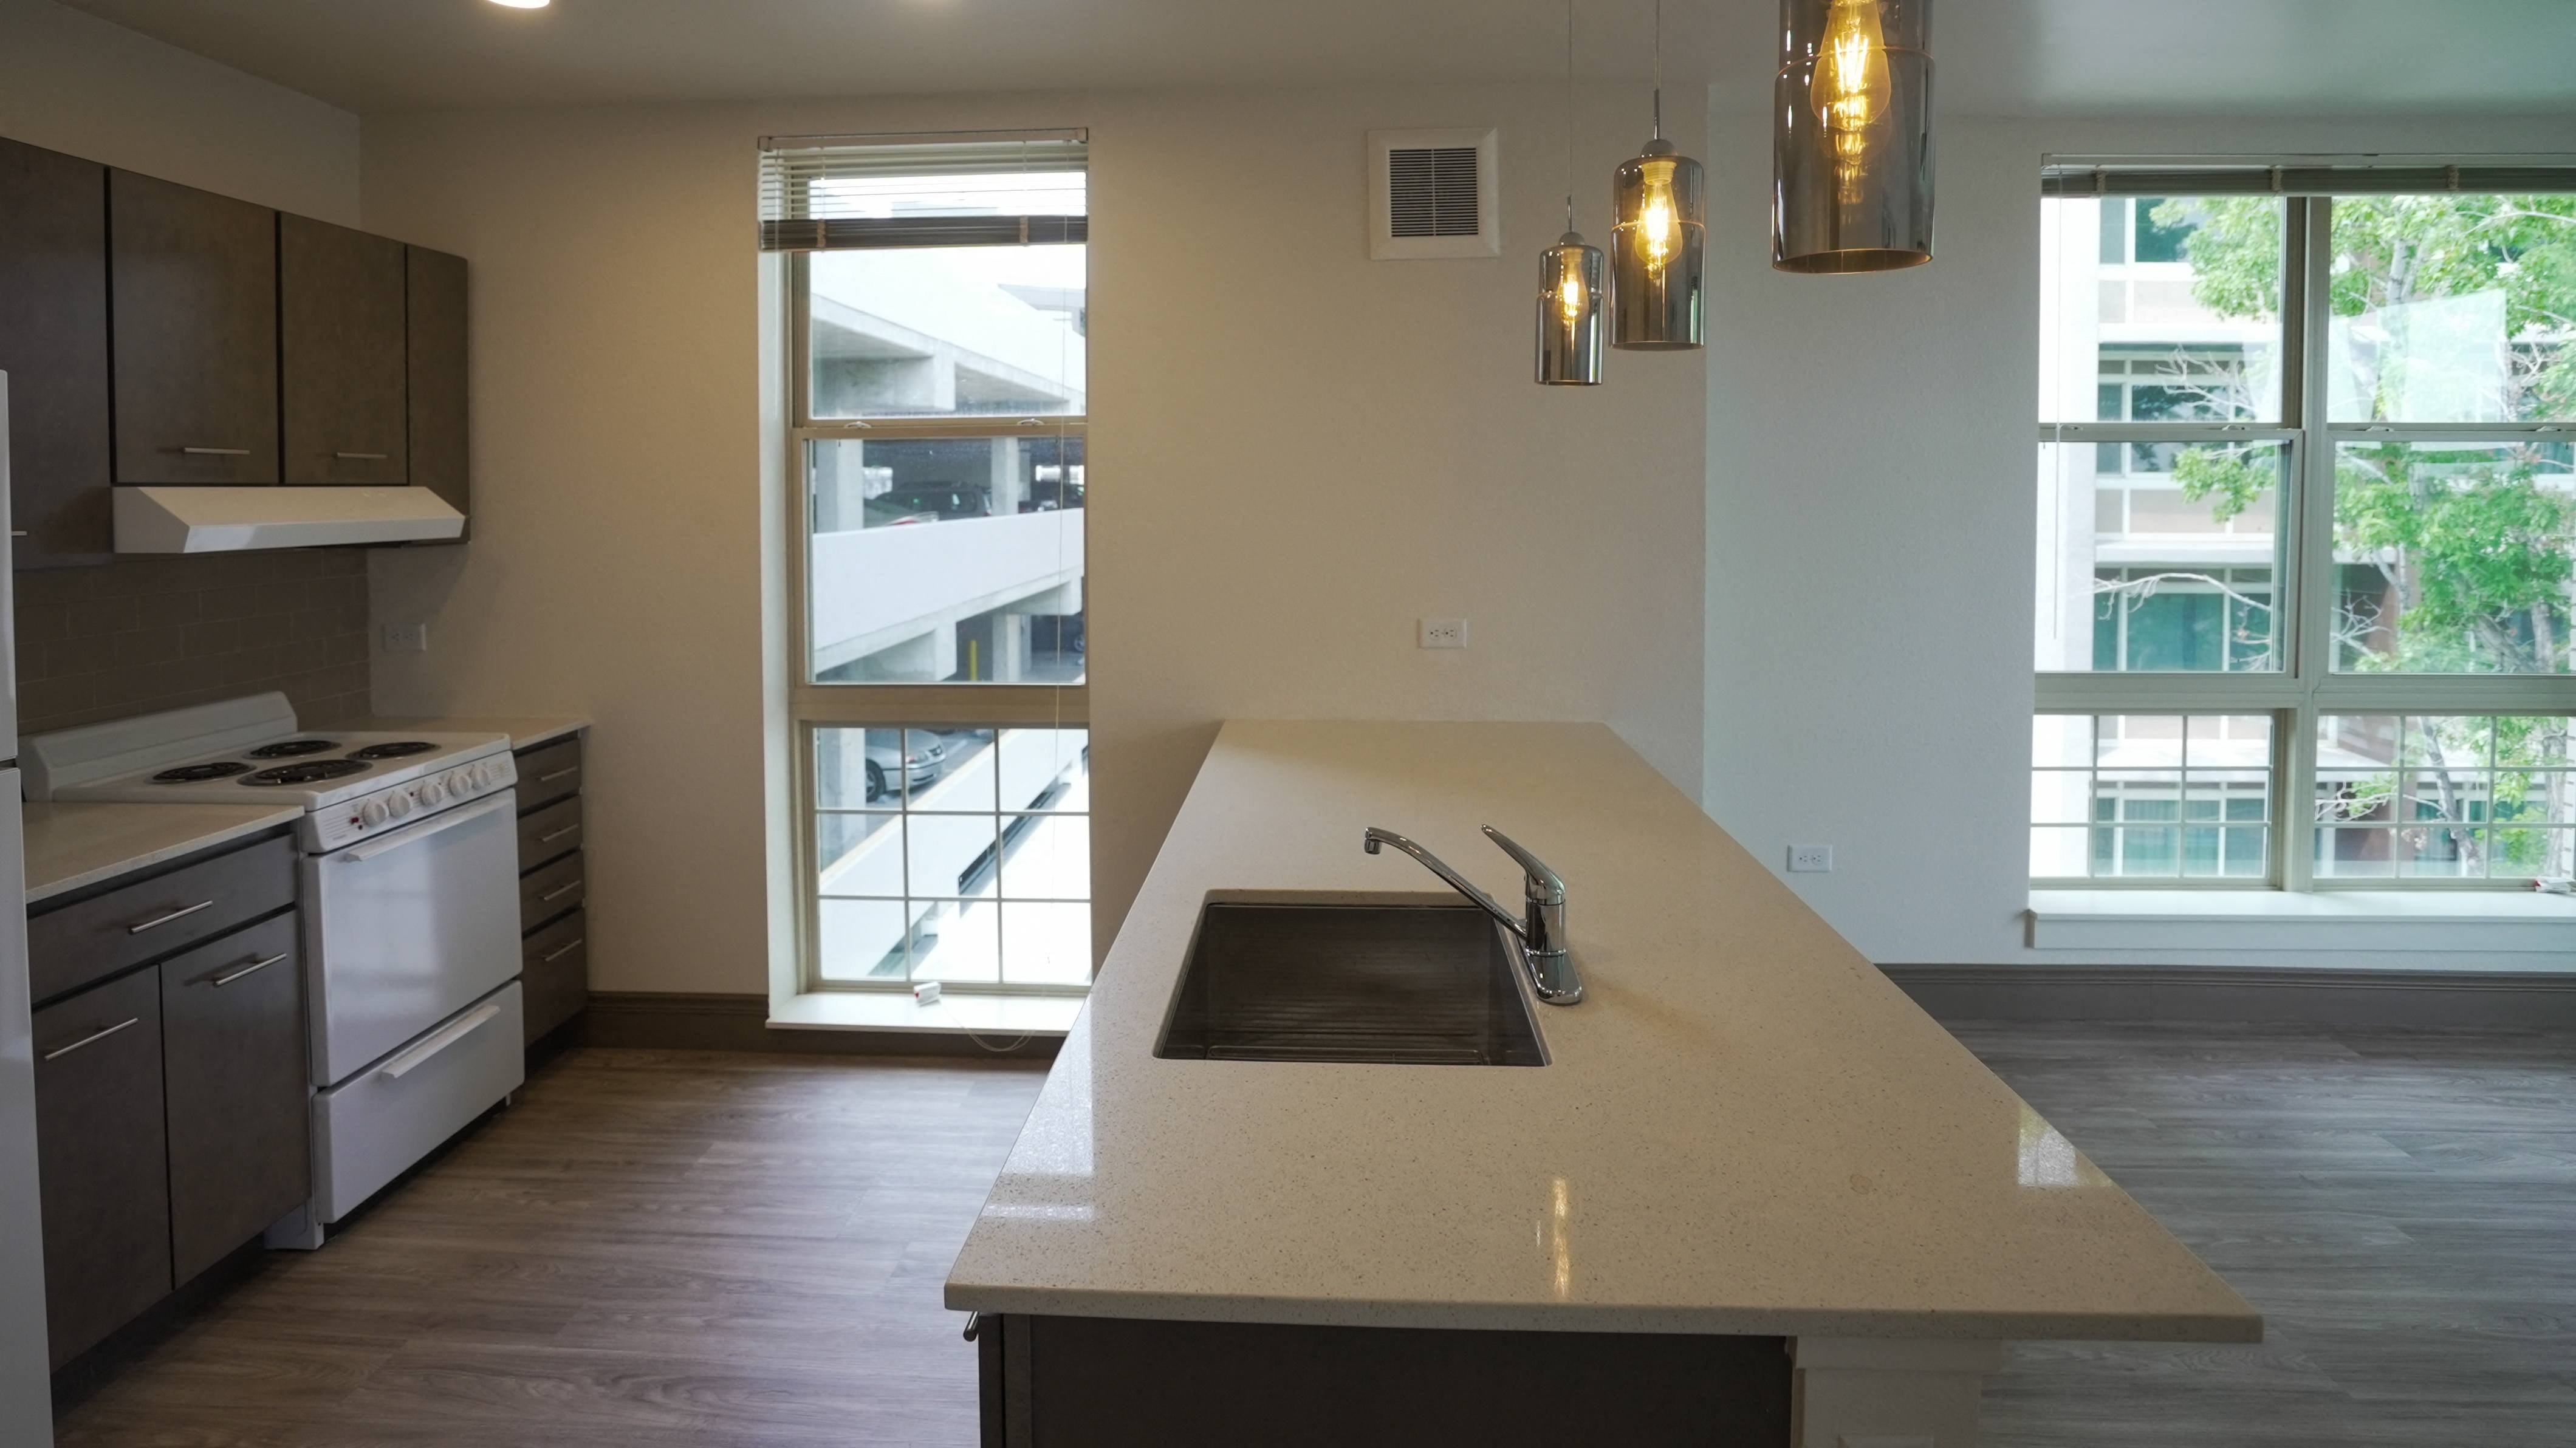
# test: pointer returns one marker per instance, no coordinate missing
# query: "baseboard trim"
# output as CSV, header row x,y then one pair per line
x,y
2222,993
690,1021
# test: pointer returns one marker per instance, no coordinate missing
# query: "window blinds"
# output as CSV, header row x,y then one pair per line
x,y
2410,176
831,193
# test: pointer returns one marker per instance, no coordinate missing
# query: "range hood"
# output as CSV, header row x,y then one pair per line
x,y
229,520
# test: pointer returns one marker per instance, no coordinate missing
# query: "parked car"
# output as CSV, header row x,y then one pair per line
x,y
915,767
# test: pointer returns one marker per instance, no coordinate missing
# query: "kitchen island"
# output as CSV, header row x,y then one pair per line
x,y
1744,1137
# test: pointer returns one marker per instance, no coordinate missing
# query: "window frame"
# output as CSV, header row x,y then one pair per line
x,y
2307,687
814,705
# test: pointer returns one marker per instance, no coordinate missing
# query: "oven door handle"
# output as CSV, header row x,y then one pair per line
x,y
457,1030
424,829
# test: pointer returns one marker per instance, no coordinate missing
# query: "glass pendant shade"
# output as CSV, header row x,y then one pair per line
x,y
1571,280
1851,148
1659,230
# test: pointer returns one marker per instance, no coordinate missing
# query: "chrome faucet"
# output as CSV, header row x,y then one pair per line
x,y
1541,930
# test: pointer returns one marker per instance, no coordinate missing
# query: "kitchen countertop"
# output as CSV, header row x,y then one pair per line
x,y
1744,1127
525,731
70,846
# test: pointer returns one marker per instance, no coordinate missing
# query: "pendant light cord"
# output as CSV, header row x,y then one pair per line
x,y
1659,69
1569,114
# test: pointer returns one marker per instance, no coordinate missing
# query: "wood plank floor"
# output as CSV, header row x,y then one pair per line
x,y
2401,1205
660,1249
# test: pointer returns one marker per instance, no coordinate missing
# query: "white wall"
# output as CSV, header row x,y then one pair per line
x,y
1871,507
71,82
1294,453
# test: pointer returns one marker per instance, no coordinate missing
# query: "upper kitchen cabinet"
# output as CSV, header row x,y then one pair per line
x,y
340,334
194,279
53,345
435,287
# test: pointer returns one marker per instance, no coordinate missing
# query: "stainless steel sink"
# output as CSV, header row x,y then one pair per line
x,y
1422,985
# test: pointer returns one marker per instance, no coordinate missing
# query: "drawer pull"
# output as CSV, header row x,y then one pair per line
x,y
216,452
457,1030
558,892
362,457
253,968
181,913
93,1038
560,951
559,774
550,836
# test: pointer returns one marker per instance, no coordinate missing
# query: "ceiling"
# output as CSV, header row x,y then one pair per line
x,y
1995,57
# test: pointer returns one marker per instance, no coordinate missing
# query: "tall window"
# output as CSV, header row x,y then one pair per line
x,y
2306,614
937,310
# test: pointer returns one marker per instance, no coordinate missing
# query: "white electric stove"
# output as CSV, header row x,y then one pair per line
x,y
410,901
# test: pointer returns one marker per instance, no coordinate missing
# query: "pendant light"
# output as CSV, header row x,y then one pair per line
x,y
1851,146
1659,227
1570,276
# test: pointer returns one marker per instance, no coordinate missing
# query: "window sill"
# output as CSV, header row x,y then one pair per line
x,y
956,1013
2397,921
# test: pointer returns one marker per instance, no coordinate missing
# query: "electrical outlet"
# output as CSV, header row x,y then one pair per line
x,y
1440,633
406,638
1818,859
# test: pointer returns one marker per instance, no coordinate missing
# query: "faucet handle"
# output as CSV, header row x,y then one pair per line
x,y
1542,884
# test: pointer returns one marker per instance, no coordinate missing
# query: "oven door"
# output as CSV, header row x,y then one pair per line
x,y
408,928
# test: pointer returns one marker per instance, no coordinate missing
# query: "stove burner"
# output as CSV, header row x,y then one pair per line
x,y
192,773
310,772
394,750
290,748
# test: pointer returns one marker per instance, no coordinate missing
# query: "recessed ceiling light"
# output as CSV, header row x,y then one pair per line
x,y
524,4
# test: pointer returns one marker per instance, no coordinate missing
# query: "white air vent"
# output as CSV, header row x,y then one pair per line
x,y
1431,194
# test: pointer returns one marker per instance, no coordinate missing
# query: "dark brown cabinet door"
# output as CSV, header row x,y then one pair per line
x,y
436,351
554,974
340,339
100,1161
232,1030
53,345
193,277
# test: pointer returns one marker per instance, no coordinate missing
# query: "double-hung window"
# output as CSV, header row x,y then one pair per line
x,y
2307,526
937,311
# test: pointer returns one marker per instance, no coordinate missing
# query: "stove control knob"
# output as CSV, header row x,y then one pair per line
x,y
397,804
371,814
427,794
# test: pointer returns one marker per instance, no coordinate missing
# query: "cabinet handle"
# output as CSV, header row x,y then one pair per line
x,y
17,532
216,452
253,968
93,1038
551,956
558,892
179,914
550,836
363,457
559,774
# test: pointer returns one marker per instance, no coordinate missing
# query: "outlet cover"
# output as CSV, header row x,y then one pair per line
x,y
1440,633
406,638
1815,859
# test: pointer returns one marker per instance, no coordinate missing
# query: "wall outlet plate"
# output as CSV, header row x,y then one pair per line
x,y
406,638
1440,633
1811,859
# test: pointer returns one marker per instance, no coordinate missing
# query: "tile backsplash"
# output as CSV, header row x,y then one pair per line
x,y
141,634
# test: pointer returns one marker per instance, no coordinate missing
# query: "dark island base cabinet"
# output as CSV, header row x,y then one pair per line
x,y
172,1105
1094,1382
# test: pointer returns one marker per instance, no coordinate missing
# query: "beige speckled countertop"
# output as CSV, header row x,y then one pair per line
x,y
1745,1128
525,730
70,846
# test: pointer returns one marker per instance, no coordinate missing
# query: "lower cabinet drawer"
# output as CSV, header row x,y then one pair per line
x,y
101,1166
96,937
233,1055
550,832
549,890
554,966
370,1128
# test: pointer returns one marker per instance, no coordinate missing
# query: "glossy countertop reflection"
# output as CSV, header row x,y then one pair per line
x,y
1744,1128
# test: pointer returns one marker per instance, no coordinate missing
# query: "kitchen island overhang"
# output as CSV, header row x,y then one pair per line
x,y
1745,1129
